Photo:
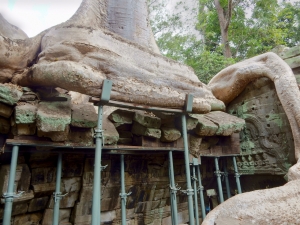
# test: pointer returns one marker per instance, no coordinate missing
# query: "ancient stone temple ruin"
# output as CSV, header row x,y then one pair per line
x,y
96,127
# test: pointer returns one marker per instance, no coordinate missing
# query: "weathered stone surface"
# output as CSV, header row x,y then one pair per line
x,y
46,159
140,130
227,124
111,135
28,219
146,119
125,141
64,216
53,116
205,127
73,165
4,174
194,145
25,129
25,113
24,182
10,94
53,94
55,135
38,204
84,116
288,53
4,126
169,134
5,110
84,136
121,116
43,179
293,62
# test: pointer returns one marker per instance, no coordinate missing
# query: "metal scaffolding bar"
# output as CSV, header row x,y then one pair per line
x,y
123,194
9,195
218,174
173,190
189,191
237,175
201,189
227,180
57,195
195,163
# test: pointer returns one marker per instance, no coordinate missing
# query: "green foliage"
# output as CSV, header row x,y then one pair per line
x,y
256,26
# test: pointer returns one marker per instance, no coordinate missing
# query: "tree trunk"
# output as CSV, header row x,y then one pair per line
x,y
113,40
224,20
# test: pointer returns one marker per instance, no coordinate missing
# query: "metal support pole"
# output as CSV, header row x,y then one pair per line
x,y
201,189
237,175
189,190
195,163
123,194
9,195
57,195
227,181
96,206
173,190
218,174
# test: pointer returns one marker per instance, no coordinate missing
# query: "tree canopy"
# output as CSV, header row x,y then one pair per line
x,y
230,31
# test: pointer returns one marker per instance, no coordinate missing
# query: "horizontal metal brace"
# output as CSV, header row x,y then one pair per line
x,y
104,167
58,196
218,173
188,191
13,195
124,195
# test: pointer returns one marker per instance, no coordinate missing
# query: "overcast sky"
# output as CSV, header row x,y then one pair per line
x,y
34,16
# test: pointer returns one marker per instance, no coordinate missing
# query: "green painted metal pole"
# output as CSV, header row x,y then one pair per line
x,y
227,181
189,190
96,206
237,176
195,195
123,193
9,196
218,174
173,190
201,189
57,195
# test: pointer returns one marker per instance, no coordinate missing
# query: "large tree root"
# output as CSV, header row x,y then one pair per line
x,y
275,206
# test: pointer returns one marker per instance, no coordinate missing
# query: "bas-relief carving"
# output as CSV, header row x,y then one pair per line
x,y
266,143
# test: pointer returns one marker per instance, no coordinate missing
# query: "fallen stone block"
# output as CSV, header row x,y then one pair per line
x,y
5,110
53,116
10,93
146,119
141,130
121,116
25,113
84,116
169,134
205,127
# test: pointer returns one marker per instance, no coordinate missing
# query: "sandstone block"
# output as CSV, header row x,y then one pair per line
x,y
25,129
10,93
4,174
141,130
5,110
37,204
169,134
121,116
55,135
148,120
205,127
111,135
53,116
125,141
28,219
293,62
84,136
64,217
84,116
67,201
25,113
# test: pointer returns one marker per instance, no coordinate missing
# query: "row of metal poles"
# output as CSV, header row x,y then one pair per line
x,y
96,203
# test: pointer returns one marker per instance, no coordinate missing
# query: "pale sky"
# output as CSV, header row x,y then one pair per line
x,y
34,16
